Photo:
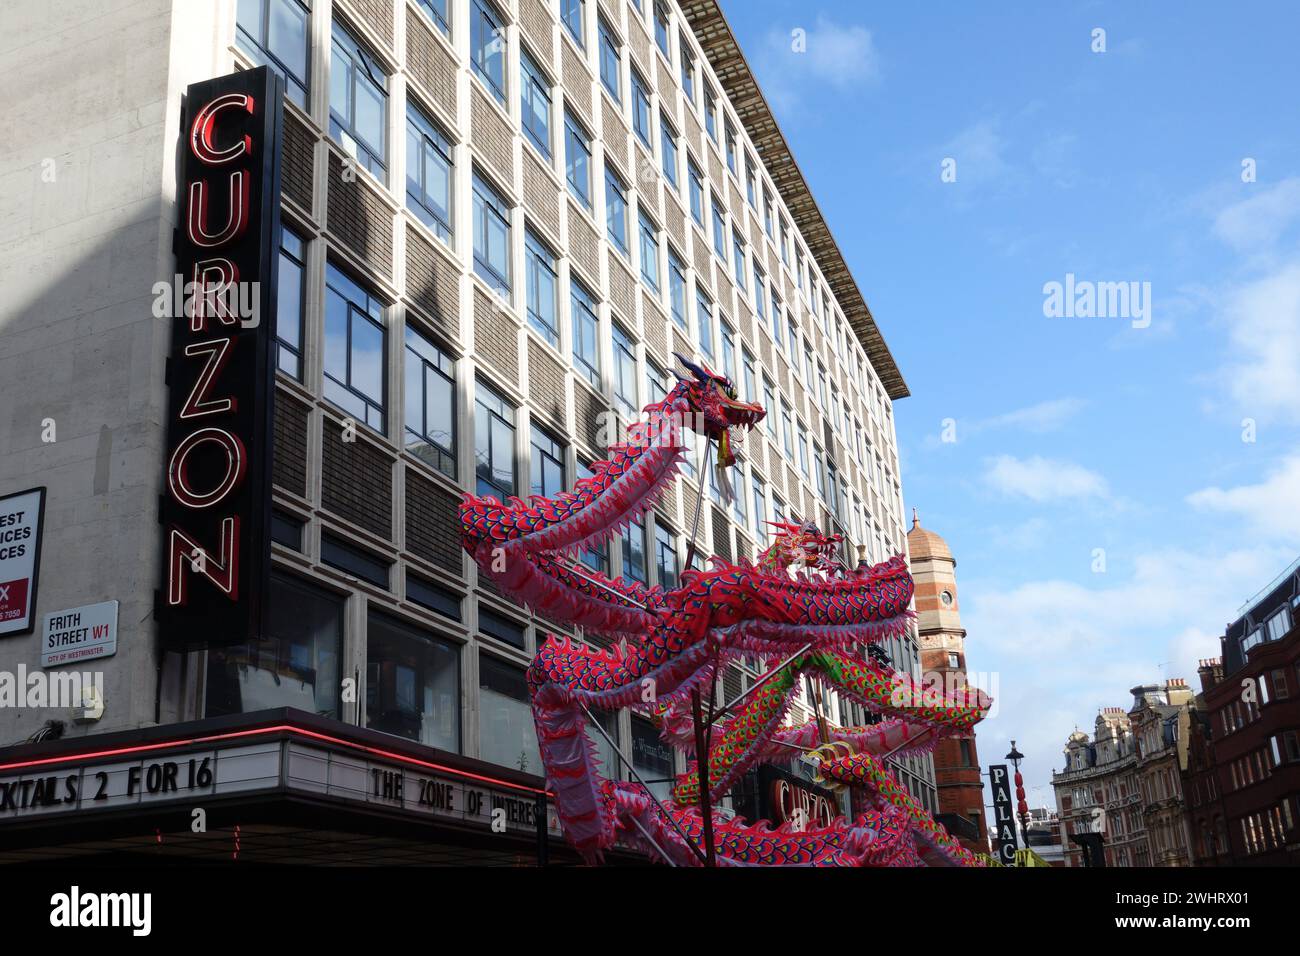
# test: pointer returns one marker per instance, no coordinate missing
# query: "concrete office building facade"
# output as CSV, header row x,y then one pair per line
x,y
500,222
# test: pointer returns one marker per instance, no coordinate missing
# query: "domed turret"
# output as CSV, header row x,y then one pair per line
x,y
923,544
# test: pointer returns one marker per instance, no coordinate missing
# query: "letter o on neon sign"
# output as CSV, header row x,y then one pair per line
x,y
178,477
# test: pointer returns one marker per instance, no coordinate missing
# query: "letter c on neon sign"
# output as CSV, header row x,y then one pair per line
x,y
178,478
205,122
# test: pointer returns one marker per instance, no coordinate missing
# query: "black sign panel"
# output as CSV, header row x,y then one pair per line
x,y
215,508
1004,822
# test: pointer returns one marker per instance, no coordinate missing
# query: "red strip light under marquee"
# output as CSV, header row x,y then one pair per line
x,y
262,731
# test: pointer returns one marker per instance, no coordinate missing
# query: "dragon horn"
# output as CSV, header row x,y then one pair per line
x,y
700,373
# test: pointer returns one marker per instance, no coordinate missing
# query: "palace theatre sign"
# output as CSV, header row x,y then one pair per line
x,y
215,509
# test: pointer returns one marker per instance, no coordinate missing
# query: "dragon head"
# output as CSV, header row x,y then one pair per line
x,y
802,545
712,399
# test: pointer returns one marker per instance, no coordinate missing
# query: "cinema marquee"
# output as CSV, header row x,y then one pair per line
x,y
215,508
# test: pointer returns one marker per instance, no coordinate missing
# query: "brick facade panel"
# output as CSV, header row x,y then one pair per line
x,y
298,169
622,288
429,63
546,385
492,138
432,523
584,246
289,457
536,24
433,283
496,337
360,219
541,195
356,480
577,81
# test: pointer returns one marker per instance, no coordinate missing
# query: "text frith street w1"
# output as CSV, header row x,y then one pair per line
x,y
79,633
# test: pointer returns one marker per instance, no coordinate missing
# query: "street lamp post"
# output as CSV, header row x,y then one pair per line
x,y
1022,808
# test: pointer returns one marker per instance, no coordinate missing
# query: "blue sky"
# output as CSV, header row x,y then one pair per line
x,y
1072,434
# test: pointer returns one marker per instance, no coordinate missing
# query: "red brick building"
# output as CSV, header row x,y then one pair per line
x,y
943,659
1253,702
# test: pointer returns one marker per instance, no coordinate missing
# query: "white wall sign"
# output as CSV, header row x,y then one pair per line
x,y
20,558
79,634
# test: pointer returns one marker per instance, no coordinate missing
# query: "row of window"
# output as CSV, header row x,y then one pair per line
x,y
275,31
412,677
357,384
1268,829
1275,628
355,370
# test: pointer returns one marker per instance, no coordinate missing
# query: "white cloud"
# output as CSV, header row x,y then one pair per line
x,y
978,151
1043,417
1270,509
1041,479
841,56
1258,222
1062,651
1263,372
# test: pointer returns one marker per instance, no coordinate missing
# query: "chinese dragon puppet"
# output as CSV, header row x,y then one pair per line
x,y
796,605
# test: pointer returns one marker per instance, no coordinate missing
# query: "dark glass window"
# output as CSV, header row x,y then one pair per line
x,y
487,40
697,191
437,11
296,665
661,30
728,351
677,289
430,403
275,33
491,236
738,262
649,254
641,109
494,444
634,547
358,103
616,210
571,13
609,62
435,597
500,627
666,557
428,172
577,160
542,288
338,553
624,373
719,232
355,343
412,684
704,318
507,734
688,69
586,333
535,104
286,529
594,556
658,383
289,304
652,758
711,112
547,463
668,149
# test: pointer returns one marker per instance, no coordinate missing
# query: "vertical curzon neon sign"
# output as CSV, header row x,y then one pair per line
x,y
215,508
